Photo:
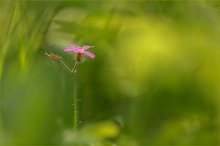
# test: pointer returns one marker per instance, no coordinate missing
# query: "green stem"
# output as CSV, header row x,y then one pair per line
x,y
74,67
64,65
73,71
75,104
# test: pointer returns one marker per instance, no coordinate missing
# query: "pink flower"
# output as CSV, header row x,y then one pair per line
x,y
81,51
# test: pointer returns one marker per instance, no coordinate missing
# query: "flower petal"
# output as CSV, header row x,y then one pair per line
x,y
86,47
91,55
75,49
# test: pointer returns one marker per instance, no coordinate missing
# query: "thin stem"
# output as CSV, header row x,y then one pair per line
x,y
64,65
75,104
59,60
75,67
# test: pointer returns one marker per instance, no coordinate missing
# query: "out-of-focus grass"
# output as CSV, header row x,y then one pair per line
x,y
24,26
155,79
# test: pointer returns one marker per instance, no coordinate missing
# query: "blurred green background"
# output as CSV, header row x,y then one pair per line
x,y
155,79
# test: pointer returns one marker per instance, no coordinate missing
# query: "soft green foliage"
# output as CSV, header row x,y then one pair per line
x,y
155,79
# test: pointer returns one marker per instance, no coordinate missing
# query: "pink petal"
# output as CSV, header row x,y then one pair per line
x,y
86,47
75,49
91,55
